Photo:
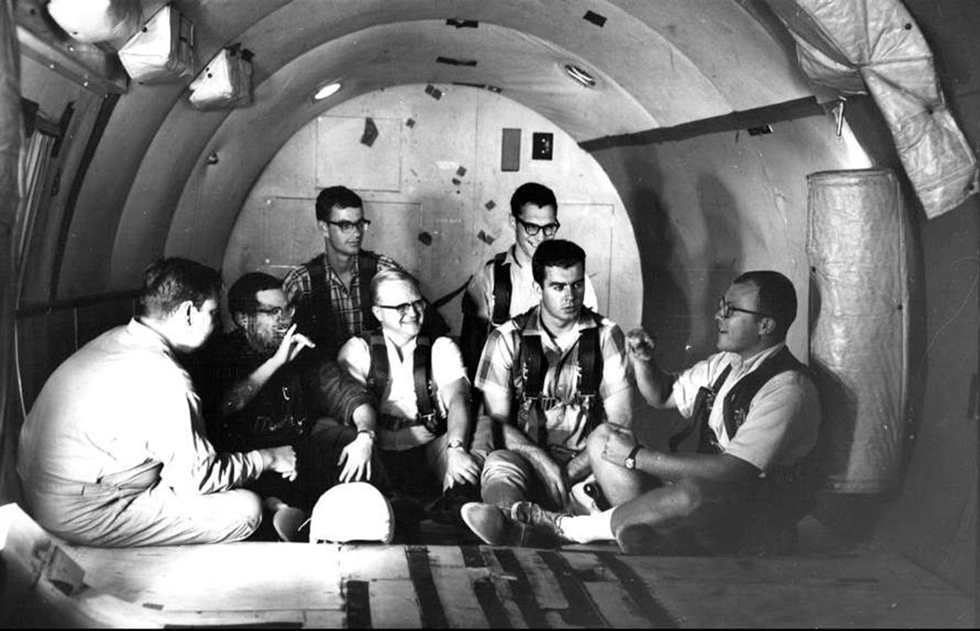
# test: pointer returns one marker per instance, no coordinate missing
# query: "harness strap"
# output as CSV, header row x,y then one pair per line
x,y
699,419
367,267
323,312
534,367
380,371
739,398
590,375
501,289
322,308
378,374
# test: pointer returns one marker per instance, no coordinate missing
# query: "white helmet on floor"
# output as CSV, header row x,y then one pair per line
x,y
355,511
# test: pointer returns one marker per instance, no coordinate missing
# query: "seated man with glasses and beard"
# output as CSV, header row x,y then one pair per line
x,y
331,290
503,287
262,387
431,450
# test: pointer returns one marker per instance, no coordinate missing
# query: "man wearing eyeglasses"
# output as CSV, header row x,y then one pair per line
x,y
424,430
331,290
260,389
503,287
753,474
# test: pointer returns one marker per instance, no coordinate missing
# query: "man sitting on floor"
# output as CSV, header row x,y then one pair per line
x,y
425,434
113,452
549,377
757,413
260,390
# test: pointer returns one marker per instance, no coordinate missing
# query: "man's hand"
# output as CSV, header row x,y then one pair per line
x,y
461,468
618,445
640,345
292,343
282,460
355,459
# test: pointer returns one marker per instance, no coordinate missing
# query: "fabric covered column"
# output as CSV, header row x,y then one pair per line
x,y
856,243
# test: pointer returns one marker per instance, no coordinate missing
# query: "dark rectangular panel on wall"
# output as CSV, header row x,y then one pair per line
x,y
510,150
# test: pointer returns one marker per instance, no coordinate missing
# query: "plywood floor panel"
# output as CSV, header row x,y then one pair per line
x,y
473,586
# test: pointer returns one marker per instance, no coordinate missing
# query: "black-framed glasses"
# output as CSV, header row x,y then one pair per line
x,y
726,308
532,229
277,312
407,307
350,226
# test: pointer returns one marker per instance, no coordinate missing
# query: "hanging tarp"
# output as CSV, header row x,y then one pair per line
x,y
857,249
874,46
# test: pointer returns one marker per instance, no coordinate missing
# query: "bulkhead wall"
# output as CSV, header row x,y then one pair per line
x,y
431,172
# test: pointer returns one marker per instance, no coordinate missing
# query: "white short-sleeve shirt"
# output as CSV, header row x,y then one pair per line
x,y
783,419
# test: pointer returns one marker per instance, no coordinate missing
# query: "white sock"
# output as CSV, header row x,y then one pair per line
x,y
587,528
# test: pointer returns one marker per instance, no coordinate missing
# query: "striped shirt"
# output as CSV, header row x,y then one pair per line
x,y
345,301
566,418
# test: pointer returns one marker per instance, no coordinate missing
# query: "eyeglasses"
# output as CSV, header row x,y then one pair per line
x,y
349,226
532,229
726,308
277,312
407,307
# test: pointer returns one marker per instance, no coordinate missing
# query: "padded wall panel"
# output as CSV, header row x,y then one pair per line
x,y
856,243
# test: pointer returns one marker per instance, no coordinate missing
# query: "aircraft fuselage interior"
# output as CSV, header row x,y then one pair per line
x,y
686,142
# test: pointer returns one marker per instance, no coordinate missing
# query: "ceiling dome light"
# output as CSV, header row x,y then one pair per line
x,y
328,90
579,75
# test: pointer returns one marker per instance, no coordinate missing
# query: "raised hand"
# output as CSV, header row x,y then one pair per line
x,y
640,344
292,343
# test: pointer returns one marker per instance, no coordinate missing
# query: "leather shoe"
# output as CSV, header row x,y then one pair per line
x,y
288,521
495,527
488,522
544,522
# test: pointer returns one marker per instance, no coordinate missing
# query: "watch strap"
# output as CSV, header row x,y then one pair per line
x,y
630,461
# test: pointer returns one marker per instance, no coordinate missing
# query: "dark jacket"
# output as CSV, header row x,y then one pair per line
x,y
310,387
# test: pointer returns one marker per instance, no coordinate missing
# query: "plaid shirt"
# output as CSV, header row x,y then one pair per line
x,y
565,419
346,302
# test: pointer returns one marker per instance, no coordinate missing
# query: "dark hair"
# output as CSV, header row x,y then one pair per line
x,y
776,297
336,197
242,295
169,282
532,193
555,253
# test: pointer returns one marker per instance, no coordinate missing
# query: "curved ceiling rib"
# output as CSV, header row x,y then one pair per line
x,y
372,59
658,63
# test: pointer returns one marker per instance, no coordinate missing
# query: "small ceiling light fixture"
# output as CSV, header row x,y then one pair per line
x,y
328,90
580,76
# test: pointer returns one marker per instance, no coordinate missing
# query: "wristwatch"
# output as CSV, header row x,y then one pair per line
x,y
455,444
370,432
630,462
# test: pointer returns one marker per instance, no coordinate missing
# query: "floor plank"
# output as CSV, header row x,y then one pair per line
x,y
473,586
